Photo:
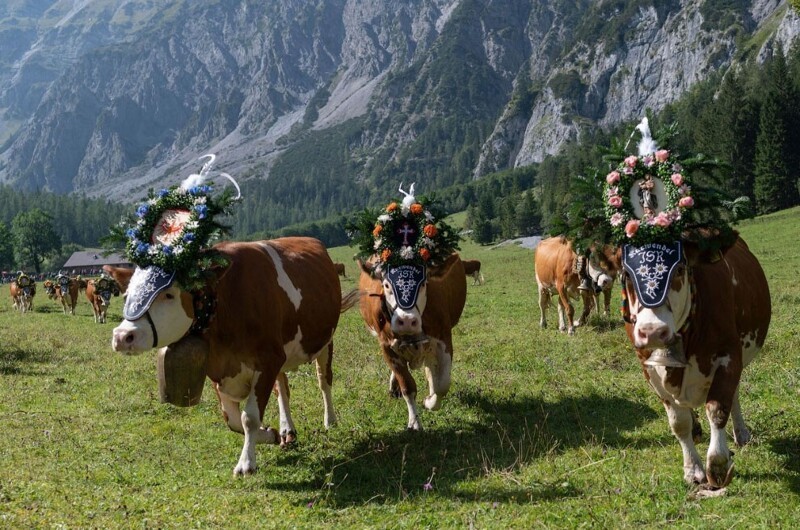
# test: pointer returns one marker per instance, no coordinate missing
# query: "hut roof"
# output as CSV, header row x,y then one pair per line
x,y
94,258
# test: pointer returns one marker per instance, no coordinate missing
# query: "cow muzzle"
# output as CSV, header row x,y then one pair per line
x,y
128,338
406,324
650,335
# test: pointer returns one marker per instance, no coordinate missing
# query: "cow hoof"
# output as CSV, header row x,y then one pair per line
x,y
694,475
571,331
719,471
244,468
288,439
433,402
741,437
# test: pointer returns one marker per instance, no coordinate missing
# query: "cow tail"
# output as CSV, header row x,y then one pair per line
x,y
349,300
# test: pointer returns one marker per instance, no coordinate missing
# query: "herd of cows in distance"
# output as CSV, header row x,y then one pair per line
x,y
715,314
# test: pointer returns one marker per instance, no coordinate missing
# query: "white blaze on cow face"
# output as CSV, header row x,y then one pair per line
x,y
598,274
169,317
656,327
405,322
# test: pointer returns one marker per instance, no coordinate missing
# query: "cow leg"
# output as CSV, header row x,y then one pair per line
x,y
408,387
681,423
741,434
438,375
607,301
324,364
722,398
251,417
544,301
288,433
588,304
566,312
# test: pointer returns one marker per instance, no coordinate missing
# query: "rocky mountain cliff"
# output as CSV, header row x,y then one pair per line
x,y
326,97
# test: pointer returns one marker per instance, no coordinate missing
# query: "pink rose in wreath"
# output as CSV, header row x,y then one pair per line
x,y
686,202
662,155
631,161
677,179
632,227
612,178
615,201
662,219
617,219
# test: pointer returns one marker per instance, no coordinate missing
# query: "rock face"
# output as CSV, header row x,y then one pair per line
x,y
111,97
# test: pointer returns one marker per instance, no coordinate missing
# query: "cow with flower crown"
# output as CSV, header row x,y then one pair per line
x,y
241,313
696,303
413,290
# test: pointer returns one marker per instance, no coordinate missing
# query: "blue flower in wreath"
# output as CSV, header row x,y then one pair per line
x,y
202,211
142,210
167,250
163,193
131,233
142,248
188,237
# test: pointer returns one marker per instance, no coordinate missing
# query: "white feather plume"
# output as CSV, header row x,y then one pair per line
x,y
197,179
408,198
647,145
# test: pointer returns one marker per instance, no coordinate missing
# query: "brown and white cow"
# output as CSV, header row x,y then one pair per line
x,y
99,293
472,267
554,264
22,295
717,314
602,269
420,335
65,291
277,307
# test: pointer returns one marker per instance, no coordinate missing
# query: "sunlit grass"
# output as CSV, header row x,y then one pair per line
x,y
540,429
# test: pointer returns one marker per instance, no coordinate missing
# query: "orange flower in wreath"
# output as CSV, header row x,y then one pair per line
x,y
430,230
392,207
416,208
425,254
377,231
386,254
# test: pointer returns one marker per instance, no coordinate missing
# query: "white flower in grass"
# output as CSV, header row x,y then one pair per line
x,y
406,252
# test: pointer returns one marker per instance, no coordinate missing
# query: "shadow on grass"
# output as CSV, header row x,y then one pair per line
x,y
15,360
510,434
789,448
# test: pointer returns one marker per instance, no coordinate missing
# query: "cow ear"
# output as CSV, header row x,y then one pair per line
x,y
370,269
436,271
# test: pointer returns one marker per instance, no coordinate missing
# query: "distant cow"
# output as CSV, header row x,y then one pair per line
x,y
23,289
602,269
340,269
122,275
99,293
419,335
554,264
716,314
65,291
472,267
277,306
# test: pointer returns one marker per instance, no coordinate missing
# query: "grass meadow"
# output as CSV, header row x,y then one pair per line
x,y
539,430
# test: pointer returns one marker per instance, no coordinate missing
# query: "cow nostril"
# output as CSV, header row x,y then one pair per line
x,y
414,322
129,338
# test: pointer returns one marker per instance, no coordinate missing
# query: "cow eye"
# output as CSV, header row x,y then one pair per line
x,y
169,296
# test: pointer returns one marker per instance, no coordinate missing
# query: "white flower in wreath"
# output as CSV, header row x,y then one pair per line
x,y
428,242
191,226
617,219
406,252
152,201
200,200
378,244
428,216
177,250
154,250
384,218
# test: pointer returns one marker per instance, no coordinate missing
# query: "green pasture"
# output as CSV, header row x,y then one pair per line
x,y
539,430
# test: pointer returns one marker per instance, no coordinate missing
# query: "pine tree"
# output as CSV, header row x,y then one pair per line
x,y
529,219
775,188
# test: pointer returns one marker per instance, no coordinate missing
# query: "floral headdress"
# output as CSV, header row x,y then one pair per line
x,y
175,226
408,232
646,196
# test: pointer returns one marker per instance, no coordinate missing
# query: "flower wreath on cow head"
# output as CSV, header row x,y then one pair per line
x,y
171,238
403,239
653,209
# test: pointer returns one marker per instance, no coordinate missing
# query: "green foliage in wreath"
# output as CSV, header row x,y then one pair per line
x,y
174,230
379,233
